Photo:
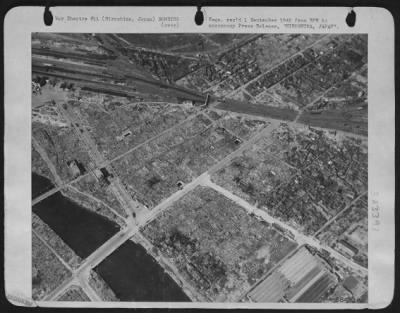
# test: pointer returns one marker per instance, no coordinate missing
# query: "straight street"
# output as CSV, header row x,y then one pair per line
x,y
299,238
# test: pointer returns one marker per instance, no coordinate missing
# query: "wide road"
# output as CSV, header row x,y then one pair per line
x,y
108,162
116,186
299,237
113,243
118,239
205,176
56,189
94,259
107,248
45,195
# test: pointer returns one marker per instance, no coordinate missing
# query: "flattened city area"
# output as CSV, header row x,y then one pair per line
x,y
199,167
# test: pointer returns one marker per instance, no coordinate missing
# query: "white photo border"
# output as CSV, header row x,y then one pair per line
x,y
19,24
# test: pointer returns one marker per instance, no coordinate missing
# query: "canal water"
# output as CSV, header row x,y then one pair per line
x,y
130,271
83,230
134,275
40,185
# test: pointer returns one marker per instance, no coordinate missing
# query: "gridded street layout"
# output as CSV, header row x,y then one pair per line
x,y
200,167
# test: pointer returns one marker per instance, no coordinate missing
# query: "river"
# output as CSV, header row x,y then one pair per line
x,y
134,275
40,185
130,271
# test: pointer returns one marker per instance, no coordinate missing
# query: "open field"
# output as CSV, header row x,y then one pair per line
x,y
117,129
253,173
215,244
101,191
153,172
55,242
62,147
47,270
39,166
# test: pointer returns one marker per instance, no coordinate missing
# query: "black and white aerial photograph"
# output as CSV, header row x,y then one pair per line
x,y
191,167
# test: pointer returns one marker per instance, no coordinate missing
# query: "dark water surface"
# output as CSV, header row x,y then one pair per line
x,y
83,230
130,271
40,185
134,275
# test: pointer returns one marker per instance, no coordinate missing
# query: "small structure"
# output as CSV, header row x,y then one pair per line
x,y
102,176
180,184
124,135
221,130
76,168
36,87
185,101
347,248
207,102
188,103
238,141
278,227
98,174
105,172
